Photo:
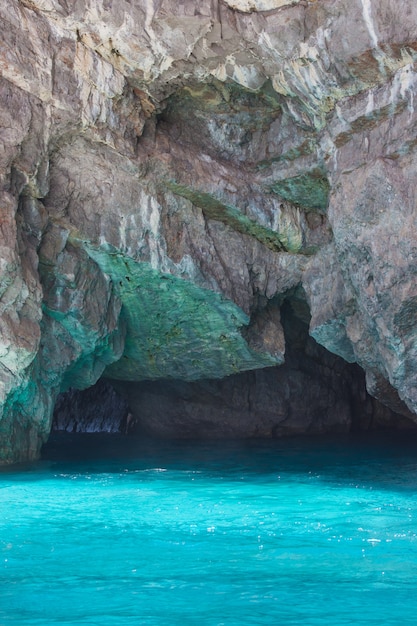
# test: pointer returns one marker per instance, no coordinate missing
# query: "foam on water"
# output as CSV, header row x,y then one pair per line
x,y
292,532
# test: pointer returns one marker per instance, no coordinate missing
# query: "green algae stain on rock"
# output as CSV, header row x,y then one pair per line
x,y
310,190
174,329
214,209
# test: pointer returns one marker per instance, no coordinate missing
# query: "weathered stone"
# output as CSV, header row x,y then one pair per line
x,y
172,173
97,409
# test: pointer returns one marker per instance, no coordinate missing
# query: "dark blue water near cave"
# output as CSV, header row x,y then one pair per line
x,y
112,531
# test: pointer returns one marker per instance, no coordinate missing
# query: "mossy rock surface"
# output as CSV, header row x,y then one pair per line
x,y
215,209
310,190
174,329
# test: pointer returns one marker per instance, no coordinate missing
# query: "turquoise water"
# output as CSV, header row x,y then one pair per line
x,y
292,532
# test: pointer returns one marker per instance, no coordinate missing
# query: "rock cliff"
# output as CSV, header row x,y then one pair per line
x,y
176,175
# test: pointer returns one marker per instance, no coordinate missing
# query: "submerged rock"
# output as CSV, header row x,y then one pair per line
x,y
173,173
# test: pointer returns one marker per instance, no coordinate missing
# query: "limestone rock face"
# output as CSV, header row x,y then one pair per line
x,y
173,173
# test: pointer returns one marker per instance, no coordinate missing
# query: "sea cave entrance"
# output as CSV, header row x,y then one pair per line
x,y
314,392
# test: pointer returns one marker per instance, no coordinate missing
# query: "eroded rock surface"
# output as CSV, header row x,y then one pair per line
x,y
169,170
98,409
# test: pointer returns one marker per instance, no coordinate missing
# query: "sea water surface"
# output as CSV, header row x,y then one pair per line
x,y
110,531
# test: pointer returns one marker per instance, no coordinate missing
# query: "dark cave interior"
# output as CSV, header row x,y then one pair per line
x,y
314,392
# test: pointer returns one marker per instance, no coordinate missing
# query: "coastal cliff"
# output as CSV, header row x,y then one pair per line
x,y
215,196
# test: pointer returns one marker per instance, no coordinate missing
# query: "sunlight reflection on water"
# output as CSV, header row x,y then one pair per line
x,y
296,532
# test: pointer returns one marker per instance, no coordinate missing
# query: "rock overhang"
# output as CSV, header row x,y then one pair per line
x,y
220,149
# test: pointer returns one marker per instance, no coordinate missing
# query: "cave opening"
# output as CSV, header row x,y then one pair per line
x,y
315,392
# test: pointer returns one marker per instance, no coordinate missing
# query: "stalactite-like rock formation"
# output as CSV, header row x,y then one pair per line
x,y
173,173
